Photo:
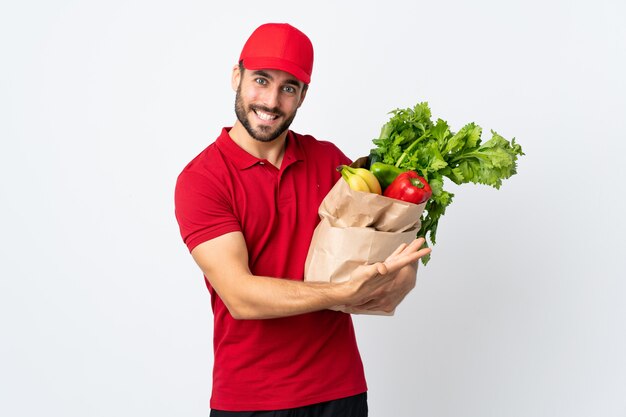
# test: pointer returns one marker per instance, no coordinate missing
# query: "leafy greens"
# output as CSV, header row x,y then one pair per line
x,y
411,140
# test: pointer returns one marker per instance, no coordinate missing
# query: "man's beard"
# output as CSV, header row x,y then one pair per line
x,y
263,133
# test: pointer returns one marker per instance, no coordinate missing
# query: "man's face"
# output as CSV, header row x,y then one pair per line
x,y
267,102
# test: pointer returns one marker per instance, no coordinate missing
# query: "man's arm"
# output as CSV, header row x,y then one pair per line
x,y
224,261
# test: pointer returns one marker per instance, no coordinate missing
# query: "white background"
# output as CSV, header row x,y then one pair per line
x,y
103,312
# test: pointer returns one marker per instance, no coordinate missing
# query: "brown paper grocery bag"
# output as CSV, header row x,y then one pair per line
x,y
357,228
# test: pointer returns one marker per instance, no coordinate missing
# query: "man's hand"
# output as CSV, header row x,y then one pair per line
x,y
392,281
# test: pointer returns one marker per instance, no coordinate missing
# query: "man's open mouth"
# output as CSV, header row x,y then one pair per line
x,y
265,116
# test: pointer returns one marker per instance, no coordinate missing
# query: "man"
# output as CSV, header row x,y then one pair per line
x,y
247,207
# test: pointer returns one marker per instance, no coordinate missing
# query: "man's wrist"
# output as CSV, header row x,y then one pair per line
x,y
338,293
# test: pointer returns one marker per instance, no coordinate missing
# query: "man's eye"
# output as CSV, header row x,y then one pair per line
x,y
261,81
289,89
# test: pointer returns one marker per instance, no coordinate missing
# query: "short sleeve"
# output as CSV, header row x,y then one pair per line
x,y
203,209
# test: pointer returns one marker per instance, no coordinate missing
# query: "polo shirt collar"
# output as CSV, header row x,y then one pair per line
x,y
244,160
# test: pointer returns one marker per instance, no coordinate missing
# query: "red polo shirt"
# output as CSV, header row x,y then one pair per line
x,y
276,363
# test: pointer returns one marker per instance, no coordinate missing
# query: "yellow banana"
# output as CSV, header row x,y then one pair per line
x,y
370,179
357,183
360,179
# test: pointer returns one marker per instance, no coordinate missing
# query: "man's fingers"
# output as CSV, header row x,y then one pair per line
x,y
405,259
399,249
378,268
405,248
408,248
402,256
382,268
406,254
416,244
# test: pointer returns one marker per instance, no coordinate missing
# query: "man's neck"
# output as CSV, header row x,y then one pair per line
x,y
272,151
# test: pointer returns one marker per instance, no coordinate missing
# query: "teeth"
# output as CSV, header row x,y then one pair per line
x,y
264,116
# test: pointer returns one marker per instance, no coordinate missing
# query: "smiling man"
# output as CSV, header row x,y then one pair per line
x,y
273,121
247,208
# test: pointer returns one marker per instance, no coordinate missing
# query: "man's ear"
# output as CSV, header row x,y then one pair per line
x,y
235,77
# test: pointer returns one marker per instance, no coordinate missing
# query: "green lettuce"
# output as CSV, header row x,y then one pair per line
x,y
411,140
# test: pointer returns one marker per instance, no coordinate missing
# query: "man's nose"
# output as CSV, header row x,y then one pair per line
x,y
272,98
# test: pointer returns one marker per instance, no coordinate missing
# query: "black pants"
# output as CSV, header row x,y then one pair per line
x,y
355,406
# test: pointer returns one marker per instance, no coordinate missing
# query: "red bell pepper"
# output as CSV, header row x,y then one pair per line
x,y
409,186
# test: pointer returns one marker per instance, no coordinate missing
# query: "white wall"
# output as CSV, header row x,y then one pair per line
x,y
520,312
